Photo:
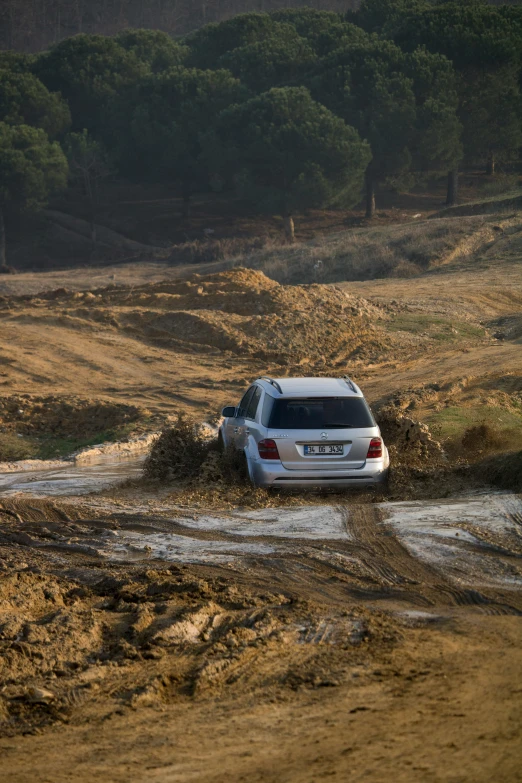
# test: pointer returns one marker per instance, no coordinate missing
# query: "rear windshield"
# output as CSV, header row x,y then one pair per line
x,y
317,413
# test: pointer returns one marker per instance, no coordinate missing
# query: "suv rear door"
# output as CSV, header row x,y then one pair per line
x,y
329,414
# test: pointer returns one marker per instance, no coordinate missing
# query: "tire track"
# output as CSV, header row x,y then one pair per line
x,y
396,567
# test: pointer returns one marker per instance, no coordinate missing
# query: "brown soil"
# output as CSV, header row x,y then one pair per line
x,y
72,416
351,658
291,670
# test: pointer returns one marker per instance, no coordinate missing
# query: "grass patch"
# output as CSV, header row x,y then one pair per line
x,y
54,446
15,447
476,430
435,327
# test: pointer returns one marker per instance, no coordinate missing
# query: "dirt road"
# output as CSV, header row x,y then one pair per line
x,y
355,641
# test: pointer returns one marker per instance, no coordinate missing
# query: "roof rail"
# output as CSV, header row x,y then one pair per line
x,y
271,382
350,383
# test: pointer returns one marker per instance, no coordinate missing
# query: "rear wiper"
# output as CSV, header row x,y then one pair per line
x,y
337,424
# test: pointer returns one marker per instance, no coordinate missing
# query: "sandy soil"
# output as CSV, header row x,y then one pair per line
x,y
149,633
282,645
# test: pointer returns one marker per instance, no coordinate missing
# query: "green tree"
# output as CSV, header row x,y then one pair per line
x,y
271,62
403,105
88,165
212,41
31,169
153,47
484,45
288,153
158,123
89,71
17,62
376,16
324,31
25,101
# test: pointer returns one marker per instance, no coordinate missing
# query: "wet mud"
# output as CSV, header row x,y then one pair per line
x,y
117,612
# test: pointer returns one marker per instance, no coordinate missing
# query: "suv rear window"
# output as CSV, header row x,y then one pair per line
x,y
319,413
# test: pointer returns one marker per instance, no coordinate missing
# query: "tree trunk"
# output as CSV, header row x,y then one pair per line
x,y
370,196
490,166
288,223
453,187
2,239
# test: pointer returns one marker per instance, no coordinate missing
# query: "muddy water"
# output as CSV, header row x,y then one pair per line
x,y
71,479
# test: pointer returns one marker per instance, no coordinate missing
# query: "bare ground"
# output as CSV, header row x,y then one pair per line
x,y
379,647
343,655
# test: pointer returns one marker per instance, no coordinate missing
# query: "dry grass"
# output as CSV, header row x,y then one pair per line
x,y
404,250
206,251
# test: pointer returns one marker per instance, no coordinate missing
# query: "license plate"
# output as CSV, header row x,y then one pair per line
x,y
321,449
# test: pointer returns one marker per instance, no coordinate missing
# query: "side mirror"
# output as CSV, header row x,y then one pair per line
x,y
229,412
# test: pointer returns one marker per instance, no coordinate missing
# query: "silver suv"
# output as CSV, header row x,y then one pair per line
x,y
303,432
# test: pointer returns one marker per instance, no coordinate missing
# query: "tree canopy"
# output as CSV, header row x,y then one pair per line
x,y
403,105
25,101
31,169
89,71
153,47
159,122
282,58
288,152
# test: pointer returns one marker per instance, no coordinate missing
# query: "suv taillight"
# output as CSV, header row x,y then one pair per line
x,y
374,449
268,449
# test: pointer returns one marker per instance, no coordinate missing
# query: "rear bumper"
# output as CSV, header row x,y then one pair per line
x,y
272,474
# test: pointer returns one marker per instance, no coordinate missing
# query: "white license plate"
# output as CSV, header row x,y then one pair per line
x,y
321,449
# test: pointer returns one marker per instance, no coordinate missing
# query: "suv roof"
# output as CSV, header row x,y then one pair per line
x,y
311,387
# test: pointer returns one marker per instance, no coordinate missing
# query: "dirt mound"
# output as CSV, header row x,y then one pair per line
x,y
408,437
239,311
71,416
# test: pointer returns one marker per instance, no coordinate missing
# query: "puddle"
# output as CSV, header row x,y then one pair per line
x,y
478,538
306,522
71,479
136,546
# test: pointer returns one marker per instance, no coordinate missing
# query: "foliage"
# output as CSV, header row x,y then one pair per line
x,y
89,71
160,120
25,101
288,151
274,61
31,167
153,47
16,62
384,15
403,105
213,41
484,46
324,31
